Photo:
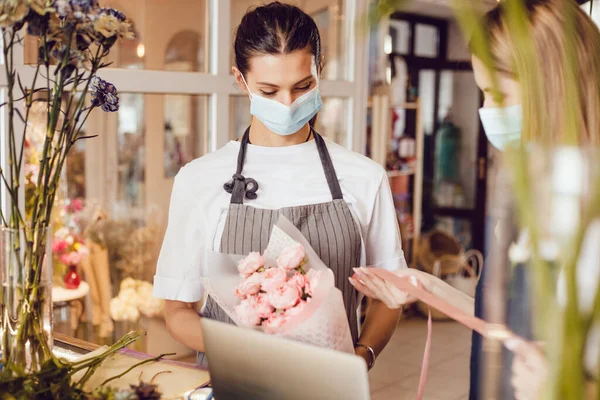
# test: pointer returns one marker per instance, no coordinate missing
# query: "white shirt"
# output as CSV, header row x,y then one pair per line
x,y
287,176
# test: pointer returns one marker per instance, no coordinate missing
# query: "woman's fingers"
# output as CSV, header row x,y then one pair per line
x,y
392,296
362,288
373,286
377,286
401,297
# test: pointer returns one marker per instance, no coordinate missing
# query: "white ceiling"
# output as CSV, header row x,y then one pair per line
x,y
439,8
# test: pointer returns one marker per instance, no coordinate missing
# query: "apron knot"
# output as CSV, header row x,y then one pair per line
x,y
250,186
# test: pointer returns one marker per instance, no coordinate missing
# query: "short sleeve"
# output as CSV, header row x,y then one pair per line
x,y
179,267
382,243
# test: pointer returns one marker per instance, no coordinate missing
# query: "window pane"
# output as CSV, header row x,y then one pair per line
x,y
427,96
456,141
130,149
186,124
400,33
329,15
170,35
427,41
331,122
240,116
112,168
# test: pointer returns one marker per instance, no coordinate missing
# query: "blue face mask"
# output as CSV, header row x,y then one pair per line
x,y
285,120
502,125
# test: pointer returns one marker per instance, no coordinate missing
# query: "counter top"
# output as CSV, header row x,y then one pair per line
x,y
175,379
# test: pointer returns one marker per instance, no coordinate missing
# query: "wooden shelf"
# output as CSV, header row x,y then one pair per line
x,y
381,133
405,172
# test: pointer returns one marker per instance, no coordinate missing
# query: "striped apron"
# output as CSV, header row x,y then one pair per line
x,y
329,228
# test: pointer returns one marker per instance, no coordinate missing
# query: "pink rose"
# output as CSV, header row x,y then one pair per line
x,y
264,309
64,258
294,311
251,263
291,257
58,246
312,281
275,321
73,258
273,277
83,250
247,313
76,205
250,286
299,280
284,296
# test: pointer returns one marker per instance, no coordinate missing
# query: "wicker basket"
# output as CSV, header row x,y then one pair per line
x,y
440,250
441,255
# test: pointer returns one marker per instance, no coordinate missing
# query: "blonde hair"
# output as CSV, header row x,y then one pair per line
x,y
556,84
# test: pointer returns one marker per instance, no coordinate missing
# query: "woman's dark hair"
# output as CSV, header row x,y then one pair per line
x,y
275,28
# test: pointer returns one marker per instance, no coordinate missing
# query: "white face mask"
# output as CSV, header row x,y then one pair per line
x,y
502,125
285,120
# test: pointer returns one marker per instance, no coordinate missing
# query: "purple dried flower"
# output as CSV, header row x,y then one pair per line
x,y
104,95
77,9
37,24
84,6
115,13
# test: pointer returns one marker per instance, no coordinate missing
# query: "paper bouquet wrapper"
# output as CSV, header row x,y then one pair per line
x,y
323,321
491,331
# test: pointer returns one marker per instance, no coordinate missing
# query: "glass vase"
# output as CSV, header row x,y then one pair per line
x,y
26,276
72,279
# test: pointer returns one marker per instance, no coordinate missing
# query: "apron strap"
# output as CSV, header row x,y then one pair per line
x,y
330,175
240,186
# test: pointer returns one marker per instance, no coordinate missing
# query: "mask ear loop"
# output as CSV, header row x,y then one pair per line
x,y
250,94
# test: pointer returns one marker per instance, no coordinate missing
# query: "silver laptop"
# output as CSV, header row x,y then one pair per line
x,y
246,364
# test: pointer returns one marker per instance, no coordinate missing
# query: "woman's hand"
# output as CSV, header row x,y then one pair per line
x,y
529,371
374,287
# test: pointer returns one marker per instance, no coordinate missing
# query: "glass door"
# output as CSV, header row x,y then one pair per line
x,y
459,170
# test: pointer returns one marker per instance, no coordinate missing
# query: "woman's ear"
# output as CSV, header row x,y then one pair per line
x,y
239,79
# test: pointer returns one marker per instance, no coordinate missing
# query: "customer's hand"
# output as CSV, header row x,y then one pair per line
x,y
374,287
529,371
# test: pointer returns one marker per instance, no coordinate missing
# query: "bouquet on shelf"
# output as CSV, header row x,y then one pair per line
x,y
132,249
68,251
135,299
68,244
287,291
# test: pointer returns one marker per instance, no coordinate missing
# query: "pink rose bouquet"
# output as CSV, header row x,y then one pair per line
x,y
285,291
68,248
269,295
